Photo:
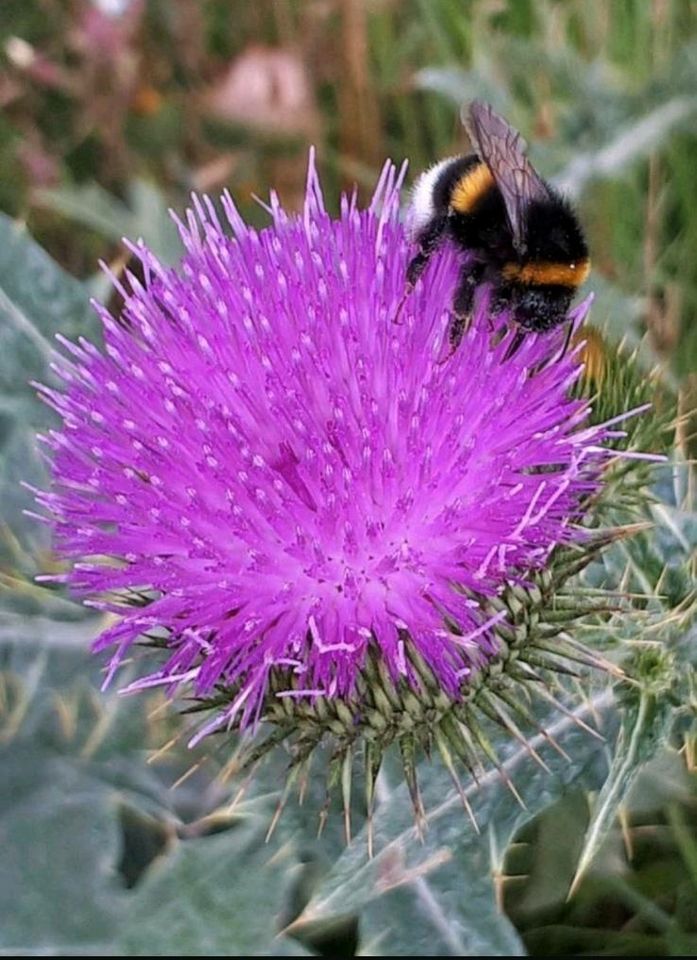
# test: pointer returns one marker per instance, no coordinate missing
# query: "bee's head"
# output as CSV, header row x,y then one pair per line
x,y
541,308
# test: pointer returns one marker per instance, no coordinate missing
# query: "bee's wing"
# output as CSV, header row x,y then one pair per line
x,y
504,151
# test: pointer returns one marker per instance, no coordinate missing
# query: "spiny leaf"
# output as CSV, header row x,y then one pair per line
x,y
444,885
222,895
59,890
645,721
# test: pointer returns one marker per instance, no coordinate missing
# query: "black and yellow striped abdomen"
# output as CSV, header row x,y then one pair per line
x,y
471,188
545,273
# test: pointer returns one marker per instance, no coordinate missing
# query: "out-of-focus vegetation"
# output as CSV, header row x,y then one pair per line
x,y
113,111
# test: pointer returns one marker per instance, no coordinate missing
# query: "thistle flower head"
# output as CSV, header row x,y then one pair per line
x,y
291,482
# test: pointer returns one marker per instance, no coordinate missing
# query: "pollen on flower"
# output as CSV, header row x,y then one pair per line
x,y
292,479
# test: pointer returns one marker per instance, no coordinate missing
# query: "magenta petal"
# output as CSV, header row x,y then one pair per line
x,y
292,475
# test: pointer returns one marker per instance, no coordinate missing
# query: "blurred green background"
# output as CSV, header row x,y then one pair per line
x,y
113,111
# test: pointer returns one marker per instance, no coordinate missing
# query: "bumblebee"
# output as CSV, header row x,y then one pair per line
x,y
520,234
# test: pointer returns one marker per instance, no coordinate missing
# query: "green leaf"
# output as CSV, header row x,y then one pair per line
x,y
152,221
633,142
92,206
222,895
37,300
74,779
51,701
59,889
658,564
146,216
460,86
645,724
438,896
51,686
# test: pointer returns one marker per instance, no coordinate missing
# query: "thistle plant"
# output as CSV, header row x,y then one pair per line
x,y
321,526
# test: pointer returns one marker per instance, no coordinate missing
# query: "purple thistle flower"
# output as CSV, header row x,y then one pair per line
x,y
290,476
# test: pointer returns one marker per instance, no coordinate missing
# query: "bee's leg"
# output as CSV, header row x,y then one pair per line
x,y
567,340
515,344
463,306
538,368
463,302
428,241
